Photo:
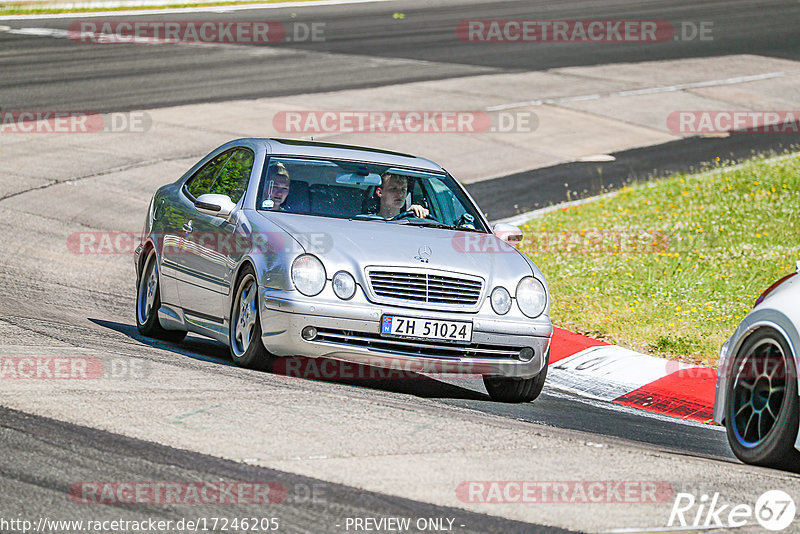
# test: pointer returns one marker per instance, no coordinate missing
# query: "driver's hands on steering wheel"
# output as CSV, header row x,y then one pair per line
x,y
419,211
414,211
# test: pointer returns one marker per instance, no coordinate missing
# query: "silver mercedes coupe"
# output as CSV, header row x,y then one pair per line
x,y
284,248
757,393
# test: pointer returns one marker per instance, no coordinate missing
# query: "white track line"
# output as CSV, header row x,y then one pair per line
x,y
646,91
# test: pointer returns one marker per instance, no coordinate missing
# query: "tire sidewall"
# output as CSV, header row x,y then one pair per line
x,y
152,320
778,444
254,351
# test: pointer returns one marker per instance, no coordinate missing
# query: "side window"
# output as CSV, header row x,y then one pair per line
x,y
201,182
233,178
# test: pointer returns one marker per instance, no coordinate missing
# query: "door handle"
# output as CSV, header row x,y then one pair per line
x,y
188,227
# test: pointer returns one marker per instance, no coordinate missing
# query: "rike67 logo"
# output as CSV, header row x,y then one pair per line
x,y
774,510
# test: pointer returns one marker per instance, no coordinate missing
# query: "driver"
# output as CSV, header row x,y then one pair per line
x,y
277,187
392,194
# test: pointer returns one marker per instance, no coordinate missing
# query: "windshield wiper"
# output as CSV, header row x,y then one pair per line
x,y
423,222
414,221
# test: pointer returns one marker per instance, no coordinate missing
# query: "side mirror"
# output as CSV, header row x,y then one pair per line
x,y
215,205
508,232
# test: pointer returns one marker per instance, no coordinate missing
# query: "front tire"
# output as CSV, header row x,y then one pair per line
x,y
762,403
509,389
148,301
244,338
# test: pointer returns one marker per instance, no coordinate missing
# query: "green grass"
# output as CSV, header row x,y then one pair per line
x,y
670,267
28,9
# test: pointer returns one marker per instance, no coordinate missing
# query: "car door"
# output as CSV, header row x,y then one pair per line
x,y
177,216
213,251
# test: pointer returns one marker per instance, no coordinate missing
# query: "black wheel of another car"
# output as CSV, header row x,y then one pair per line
x,y
148,301
247,350
509,389
762,404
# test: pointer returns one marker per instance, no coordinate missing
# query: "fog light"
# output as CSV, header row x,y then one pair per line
x,y
309,333
526,354
344,285
501,300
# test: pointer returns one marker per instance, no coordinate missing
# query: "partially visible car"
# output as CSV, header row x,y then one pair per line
x,y
318,272
757,382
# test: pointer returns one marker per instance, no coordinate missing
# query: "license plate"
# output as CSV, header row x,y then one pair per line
x,y
413,327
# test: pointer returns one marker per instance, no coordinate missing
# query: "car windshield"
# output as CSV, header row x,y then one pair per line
x,y
365,192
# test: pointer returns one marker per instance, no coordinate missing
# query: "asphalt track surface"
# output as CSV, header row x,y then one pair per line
x,y
41,457
56,73
64,453
59,74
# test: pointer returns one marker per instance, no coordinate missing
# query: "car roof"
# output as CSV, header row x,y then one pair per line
x,y
296,147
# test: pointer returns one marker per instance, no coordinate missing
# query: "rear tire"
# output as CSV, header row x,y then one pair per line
x,y
148,301
761,409
244,338
509,389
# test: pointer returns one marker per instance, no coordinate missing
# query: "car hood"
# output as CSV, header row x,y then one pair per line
x,y
354,245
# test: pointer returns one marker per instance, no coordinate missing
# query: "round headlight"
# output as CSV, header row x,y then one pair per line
x,y
344,285
531,297
501,300
308,275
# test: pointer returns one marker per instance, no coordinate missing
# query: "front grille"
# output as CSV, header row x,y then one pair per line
x,y
412,347
429,287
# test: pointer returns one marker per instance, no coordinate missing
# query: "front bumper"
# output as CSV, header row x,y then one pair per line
x,y
350,331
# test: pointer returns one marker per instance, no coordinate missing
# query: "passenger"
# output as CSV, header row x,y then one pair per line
x,y
392,194
277,187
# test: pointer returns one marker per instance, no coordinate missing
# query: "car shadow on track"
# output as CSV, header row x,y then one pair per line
x,y
316,369
198,348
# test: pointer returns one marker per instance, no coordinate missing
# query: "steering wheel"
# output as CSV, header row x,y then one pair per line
x,y
404,215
